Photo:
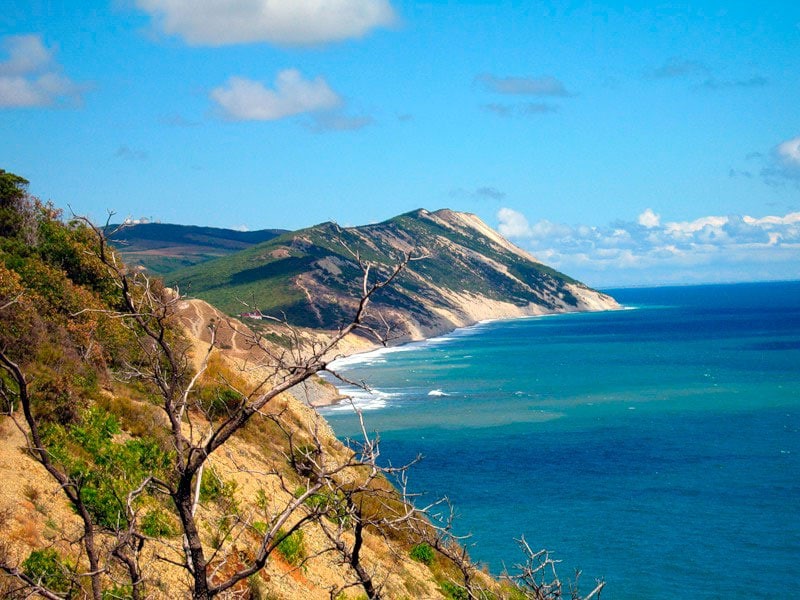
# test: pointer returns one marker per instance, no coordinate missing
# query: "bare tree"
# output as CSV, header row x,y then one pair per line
x,y
344,494
149,310
538,578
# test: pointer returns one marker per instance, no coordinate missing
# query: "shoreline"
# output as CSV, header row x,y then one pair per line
x,y
316,398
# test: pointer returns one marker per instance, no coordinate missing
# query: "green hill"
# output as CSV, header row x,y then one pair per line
x,y
310,276
162,248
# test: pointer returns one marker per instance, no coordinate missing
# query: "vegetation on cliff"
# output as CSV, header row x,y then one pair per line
x,y
141,461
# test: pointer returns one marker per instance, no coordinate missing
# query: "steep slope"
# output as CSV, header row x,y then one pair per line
x,y
95,442
162,248
467,272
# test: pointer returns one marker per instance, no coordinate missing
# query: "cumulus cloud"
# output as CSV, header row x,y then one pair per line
x,y
784,163
513,224
649,219
282,22
30,75
525,86
247,100
709,248
789,153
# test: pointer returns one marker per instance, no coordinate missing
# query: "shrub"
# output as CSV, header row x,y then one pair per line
x,y
213,489
330,504
118,592
45,566
291,547
158,523
453,591
422,553
260,527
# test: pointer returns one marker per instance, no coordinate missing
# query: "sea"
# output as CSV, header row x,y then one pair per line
x,y
656,447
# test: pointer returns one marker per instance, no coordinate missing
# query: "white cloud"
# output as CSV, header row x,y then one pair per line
x,y
282,22
512,224
789,152
247,100
649,219
709,248
783,164
30,75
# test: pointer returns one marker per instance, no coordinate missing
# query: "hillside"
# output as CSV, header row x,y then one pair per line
x,y
148,448
467,272
162,248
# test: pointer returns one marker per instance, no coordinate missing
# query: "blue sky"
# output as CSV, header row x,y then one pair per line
x,y
623,143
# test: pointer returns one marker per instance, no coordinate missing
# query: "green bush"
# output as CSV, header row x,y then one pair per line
x,y
422,553
331,505
213,489
118,592
260,527
453,591
108,471
158,523
47,568
291,547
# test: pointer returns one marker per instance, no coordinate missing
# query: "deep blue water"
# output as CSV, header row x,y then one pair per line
x,y
656,447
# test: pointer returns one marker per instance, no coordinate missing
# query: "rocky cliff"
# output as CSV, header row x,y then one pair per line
x,y
466,272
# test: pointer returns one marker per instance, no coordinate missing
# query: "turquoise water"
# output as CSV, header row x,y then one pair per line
x,y
657,447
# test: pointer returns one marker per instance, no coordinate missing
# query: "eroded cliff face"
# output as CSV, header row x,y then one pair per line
x,y
466,273
258,482
462,272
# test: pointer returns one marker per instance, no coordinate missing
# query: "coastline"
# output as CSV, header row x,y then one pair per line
x,y
323,391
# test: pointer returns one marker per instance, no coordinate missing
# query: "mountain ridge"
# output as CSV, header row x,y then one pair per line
x,y
467,272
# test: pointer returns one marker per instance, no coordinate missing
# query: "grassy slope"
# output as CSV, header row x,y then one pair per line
x,y
265,275
162,248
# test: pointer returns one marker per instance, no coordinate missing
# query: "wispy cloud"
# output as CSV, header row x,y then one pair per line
x,y
127,153
648,250
702,76
544,86
247,100
30,76
677,68
520,110
716,84
485,192
524,86
282,22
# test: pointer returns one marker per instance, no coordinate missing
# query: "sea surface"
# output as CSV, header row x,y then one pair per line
x,y
657,447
